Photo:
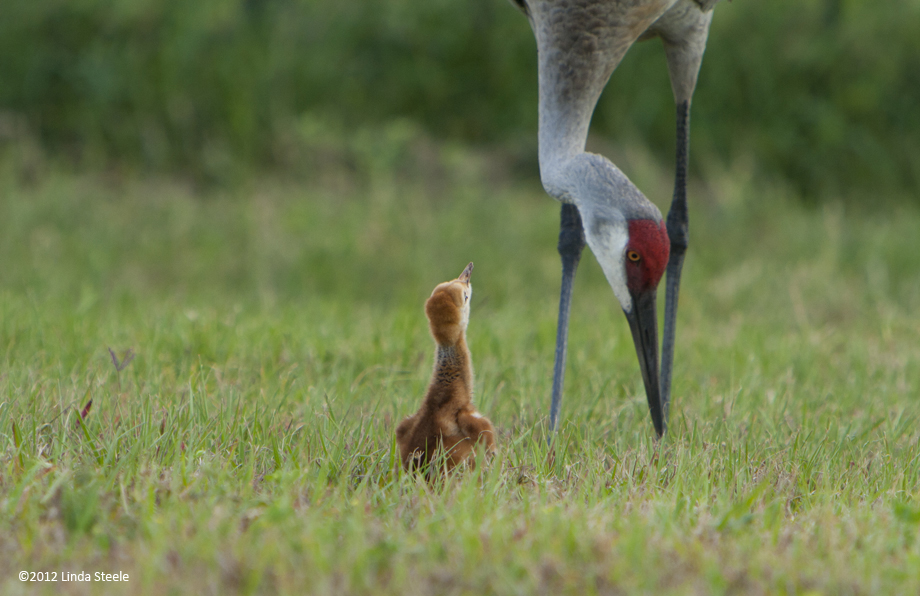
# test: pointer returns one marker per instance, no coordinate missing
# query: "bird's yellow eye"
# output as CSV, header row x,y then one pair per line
x,y
633,256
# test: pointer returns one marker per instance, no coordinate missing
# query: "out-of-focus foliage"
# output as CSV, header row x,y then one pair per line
x,y
823,93
827,94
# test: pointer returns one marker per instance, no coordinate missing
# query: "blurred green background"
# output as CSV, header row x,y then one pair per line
x,y
823,95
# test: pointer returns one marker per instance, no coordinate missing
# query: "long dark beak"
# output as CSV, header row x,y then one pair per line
x,y
643,322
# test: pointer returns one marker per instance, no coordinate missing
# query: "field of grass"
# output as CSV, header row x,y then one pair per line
x,y
278,336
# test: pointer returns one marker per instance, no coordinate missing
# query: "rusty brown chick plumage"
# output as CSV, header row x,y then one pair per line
x,y
447,428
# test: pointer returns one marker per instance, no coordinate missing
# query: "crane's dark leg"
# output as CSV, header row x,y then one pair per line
x,y
571,243
678,228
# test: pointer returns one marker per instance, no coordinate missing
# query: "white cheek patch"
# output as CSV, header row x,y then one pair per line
x,y
608,243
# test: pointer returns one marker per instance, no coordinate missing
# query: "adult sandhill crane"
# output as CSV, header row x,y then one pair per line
x,y
579,44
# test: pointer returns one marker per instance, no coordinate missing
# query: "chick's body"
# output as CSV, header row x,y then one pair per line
x,y
447,424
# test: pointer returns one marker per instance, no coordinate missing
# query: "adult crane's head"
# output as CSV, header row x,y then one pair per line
x,y
630,241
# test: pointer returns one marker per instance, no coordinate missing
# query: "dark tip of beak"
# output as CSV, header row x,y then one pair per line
x,y
465,276
643,322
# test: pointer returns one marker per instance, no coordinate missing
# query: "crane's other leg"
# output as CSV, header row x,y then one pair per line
x,y
678,233
684,30
571,244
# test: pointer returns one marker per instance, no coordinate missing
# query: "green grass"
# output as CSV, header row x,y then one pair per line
x,y
279,337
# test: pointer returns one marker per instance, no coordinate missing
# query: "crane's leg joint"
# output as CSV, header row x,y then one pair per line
x,y
571,234
678,229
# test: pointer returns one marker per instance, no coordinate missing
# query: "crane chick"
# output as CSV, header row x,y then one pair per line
x,y
447,428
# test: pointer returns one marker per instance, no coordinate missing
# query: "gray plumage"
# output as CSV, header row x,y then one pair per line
x,y
579,44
